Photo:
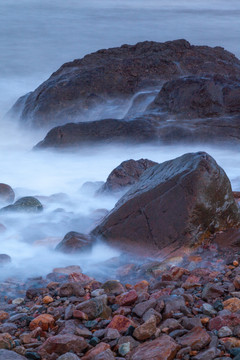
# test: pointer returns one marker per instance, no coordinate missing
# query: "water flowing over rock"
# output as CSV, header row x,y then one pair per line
x,y
176,203
118,72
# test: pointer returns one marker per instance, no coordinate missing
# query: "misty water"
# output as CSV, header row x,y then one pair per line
x,y
36,37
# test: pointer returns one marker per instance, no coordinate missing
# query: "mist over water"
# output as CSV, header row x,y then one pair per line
x,y
36,37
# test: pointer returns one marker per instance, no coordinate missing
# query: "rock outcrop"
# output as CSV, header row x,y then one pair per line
x,y
105,131
176,203
119,72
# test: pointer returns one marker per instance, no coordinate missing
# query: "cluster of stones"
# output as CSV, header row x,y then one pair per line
x,y
168,312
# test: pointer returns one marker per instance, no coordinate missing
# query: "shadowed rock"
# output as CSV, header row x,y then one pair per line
x,y
175,204
105,131
125,175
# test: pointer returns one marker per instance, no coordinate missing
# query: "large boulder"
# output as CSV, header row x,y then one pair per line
x,y
176,203
125,175
106,131
119,72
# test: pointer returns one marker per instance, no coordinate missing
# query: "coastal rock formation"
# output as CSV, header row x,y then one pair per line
x,y
176,203
125,175
119,72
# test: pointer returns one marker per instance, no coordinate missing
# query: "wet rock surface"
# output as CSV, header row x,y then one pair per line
x,y
119,72
165,92
175,204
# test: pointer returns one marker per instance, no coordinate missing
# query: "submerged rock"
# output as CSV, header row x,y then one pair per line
x,y
125,175
5,259
7,194
176,203
74,242
25,204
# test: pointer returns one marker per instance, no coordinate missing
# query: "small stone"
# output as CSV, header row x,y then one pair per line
x,y
45,321
94,341
142,307
208,310
18,301
6,341
80,315
197,338
113,287
218,305
68,356
121,323
47,299
225,331
124,349
162,348
127,298
146,330
92,353
10,355
3,315
232,304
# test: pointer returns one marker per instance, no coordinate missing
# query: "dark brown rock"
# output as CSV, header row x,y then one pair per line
x,y
197,338
126,174
95,307
106,131
199,97
118,72
71,289
176,203
162,348
60,344
74,242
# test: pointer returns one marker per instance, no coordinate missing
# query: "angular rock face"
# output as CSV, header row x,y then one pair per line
x,y
199,97
176,203
106,131
118,72
126,174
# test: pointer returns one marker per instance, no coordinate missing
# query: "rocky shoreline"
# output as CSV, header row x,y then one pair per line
x,y
174,290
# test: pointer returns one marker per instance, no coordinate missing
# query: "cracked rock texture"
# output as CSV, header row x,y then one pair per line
x,y
175,204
